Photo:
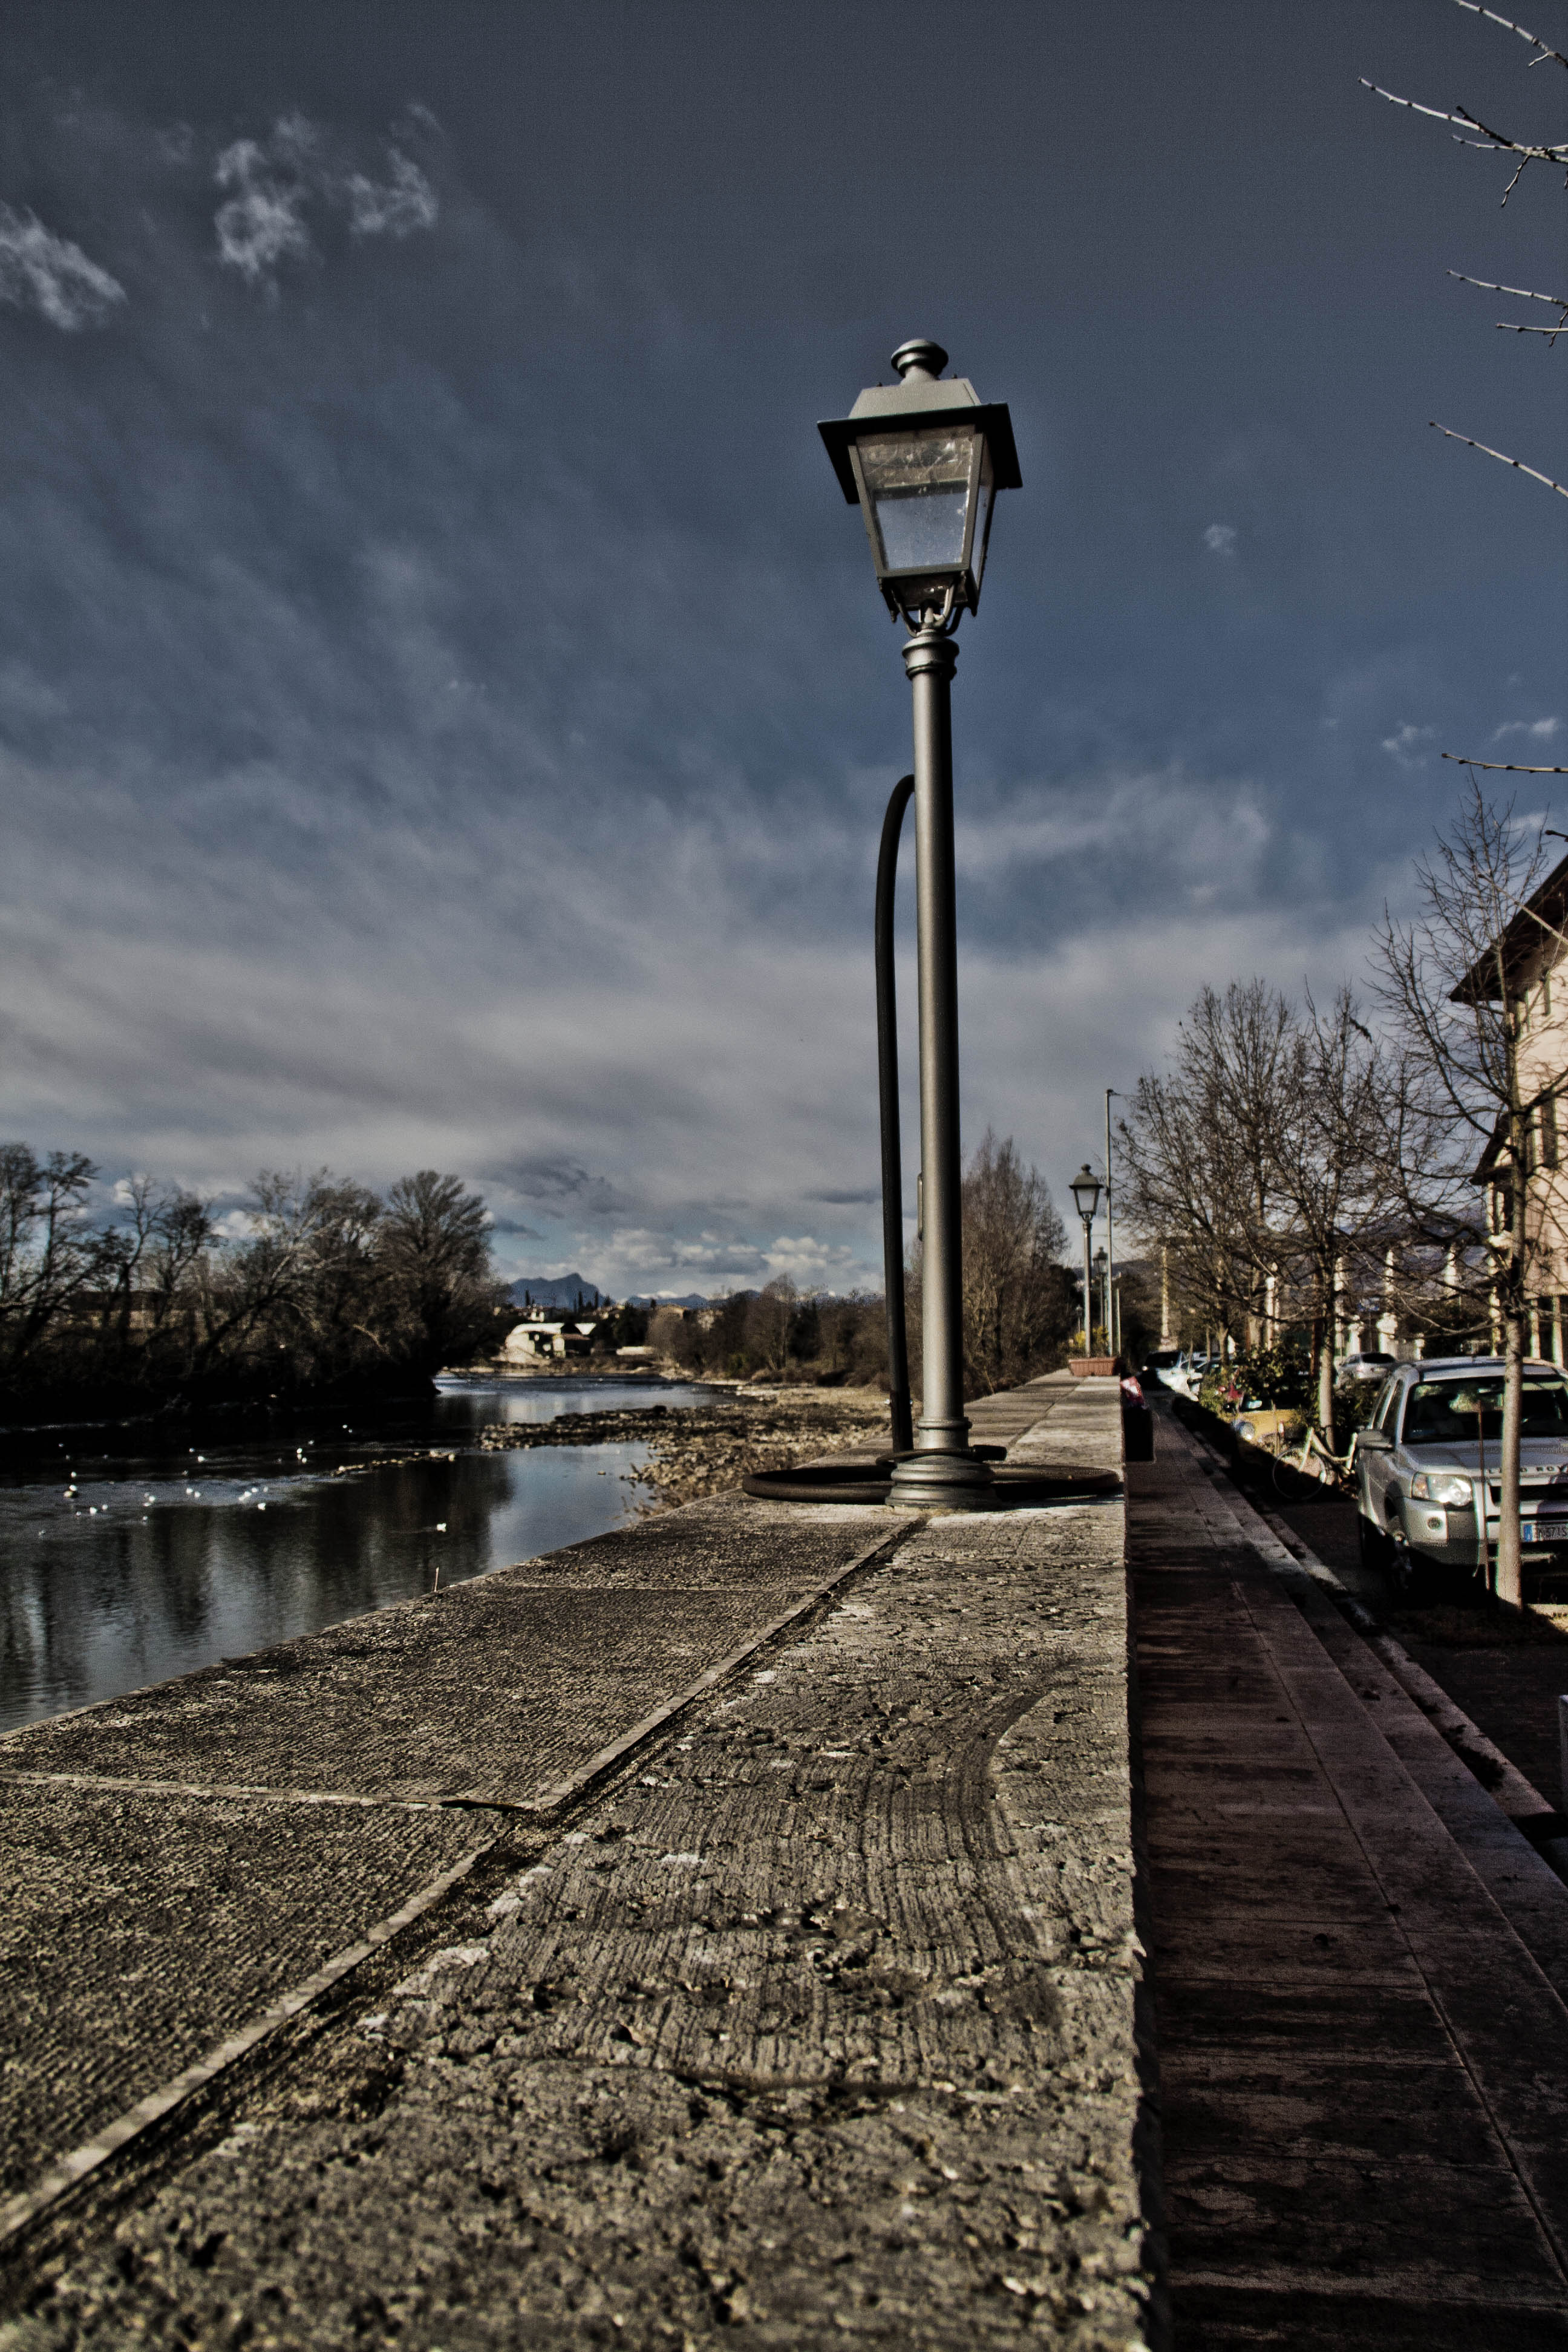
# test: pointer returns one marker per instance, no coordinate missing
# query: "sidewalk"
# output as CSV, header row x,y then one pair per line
x,y
810,2017
1359,1969
179,1860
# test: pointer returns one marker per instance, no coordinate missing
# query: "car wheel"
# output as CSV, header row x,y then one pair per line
x,y
1407,1572
1376,1552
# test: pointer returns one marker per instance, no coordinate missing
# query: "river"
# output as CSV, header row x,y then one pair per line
x,y
118,1568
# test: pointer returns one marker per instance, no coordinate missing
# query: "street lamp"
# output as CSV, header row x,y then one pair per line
x,y
924,460
1085,1191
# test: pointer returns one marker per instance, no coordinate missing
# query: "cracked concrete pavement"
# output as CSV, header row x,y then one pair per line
x,y
819,2018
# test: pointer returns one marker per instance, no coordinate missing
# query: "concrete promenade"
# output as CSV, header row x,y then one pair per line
x,y
728,1932
724,1929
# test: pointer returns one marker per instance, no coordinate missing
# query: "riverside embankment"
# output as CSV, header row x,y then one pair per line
x,y
727,1924
725,1932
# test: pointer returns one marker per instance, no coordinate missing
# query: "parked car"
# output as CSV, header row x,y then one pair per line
x,y
1367,1367
1432,1452
1159,1363
1137,1422
1274,1427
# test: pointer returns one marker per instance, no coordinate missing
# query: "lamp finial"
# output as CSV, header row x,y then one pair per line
x,y
921,358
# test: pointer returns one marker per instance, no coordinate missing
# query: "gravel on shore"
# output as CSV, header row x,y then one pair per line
x,y
695,1450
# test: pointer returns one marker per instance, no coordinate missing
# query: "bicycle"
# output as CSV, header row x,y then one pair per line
x,y
1335,1471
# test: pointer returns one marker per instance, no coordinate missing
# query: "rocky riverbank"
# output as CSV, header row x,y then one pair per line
x,y
695,1450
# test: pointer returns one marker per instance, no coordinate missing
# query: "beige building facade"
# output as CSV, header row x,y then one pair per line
x,y
1534,973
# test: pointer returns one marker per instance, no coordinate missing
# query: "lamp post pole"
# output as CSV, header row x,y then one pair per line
x,y
923,460
1086,1189
888,1090
943,1469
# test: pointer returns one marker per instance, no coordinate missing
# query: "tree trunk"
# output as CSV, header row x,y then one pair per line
x,y
1514,1305
1510,1567
1323,1353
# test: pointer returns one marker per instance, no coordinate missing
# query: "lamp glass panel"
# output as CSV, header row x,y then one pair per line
x,y
983,514
916,478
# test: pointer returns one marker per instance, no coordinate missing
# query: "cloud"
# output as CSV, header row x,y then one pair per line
x,y
1191,827
815,1266
590,926
1220,539
1405,744
636,1258
276,181
638,1251
1540,730
40,271
262,223
395,207
561,1188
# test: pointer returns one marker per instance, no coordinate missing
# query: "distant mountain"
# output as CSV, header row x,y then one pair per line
x,y
534,1289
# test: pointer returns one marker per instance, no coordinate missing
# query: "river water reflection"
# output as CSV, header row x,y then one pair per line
x,y
119,1570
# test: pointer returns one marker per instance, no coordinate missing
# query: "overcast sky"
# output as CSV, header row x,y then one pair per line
x,y
445,711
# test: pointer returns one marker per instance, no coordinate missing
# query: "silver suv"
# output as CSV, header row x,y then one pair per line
x,y
1433,1443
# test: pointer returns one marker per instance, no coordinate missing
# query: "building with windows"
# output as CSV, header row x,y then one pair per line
x,y
1526,978
537,1339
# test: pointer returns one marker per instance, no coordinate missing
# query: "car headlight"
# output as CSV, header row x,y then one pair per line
x,y
1437,1488
1245,1431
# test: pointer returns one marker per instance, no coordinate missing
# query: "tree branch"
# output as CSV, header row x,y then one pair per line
x,y
1502,144
1525,293
1517,463
1435,113
1503,766
1474,8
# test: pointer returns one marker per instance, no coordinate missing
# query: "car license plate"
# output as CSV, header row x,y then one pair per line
x,y
1548,1531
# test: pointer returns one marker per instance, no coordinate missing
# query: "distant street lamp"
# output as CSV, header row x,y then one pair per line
x,y
1085,1191
923,460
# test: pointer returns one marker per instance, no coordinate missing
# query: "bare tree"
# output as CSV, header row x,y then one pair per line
x,y
331,1283
1016,1296
432,1241
147,1252
768,1322
1257,1165
1478,1154
1332,1179
307,1286
1524,152
1200,1154
183,1235
45,1249
1020,1302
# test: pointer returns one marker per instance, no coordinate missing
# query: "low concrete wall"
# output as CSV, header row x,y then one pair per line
x,y
813,2013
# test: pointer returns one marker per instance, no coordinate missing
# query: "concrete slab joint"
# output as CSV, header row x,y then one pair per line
x,y
813,2013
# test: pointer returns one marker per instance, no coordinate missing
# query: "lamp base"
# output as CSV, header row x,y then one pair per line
x,y
942,1481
